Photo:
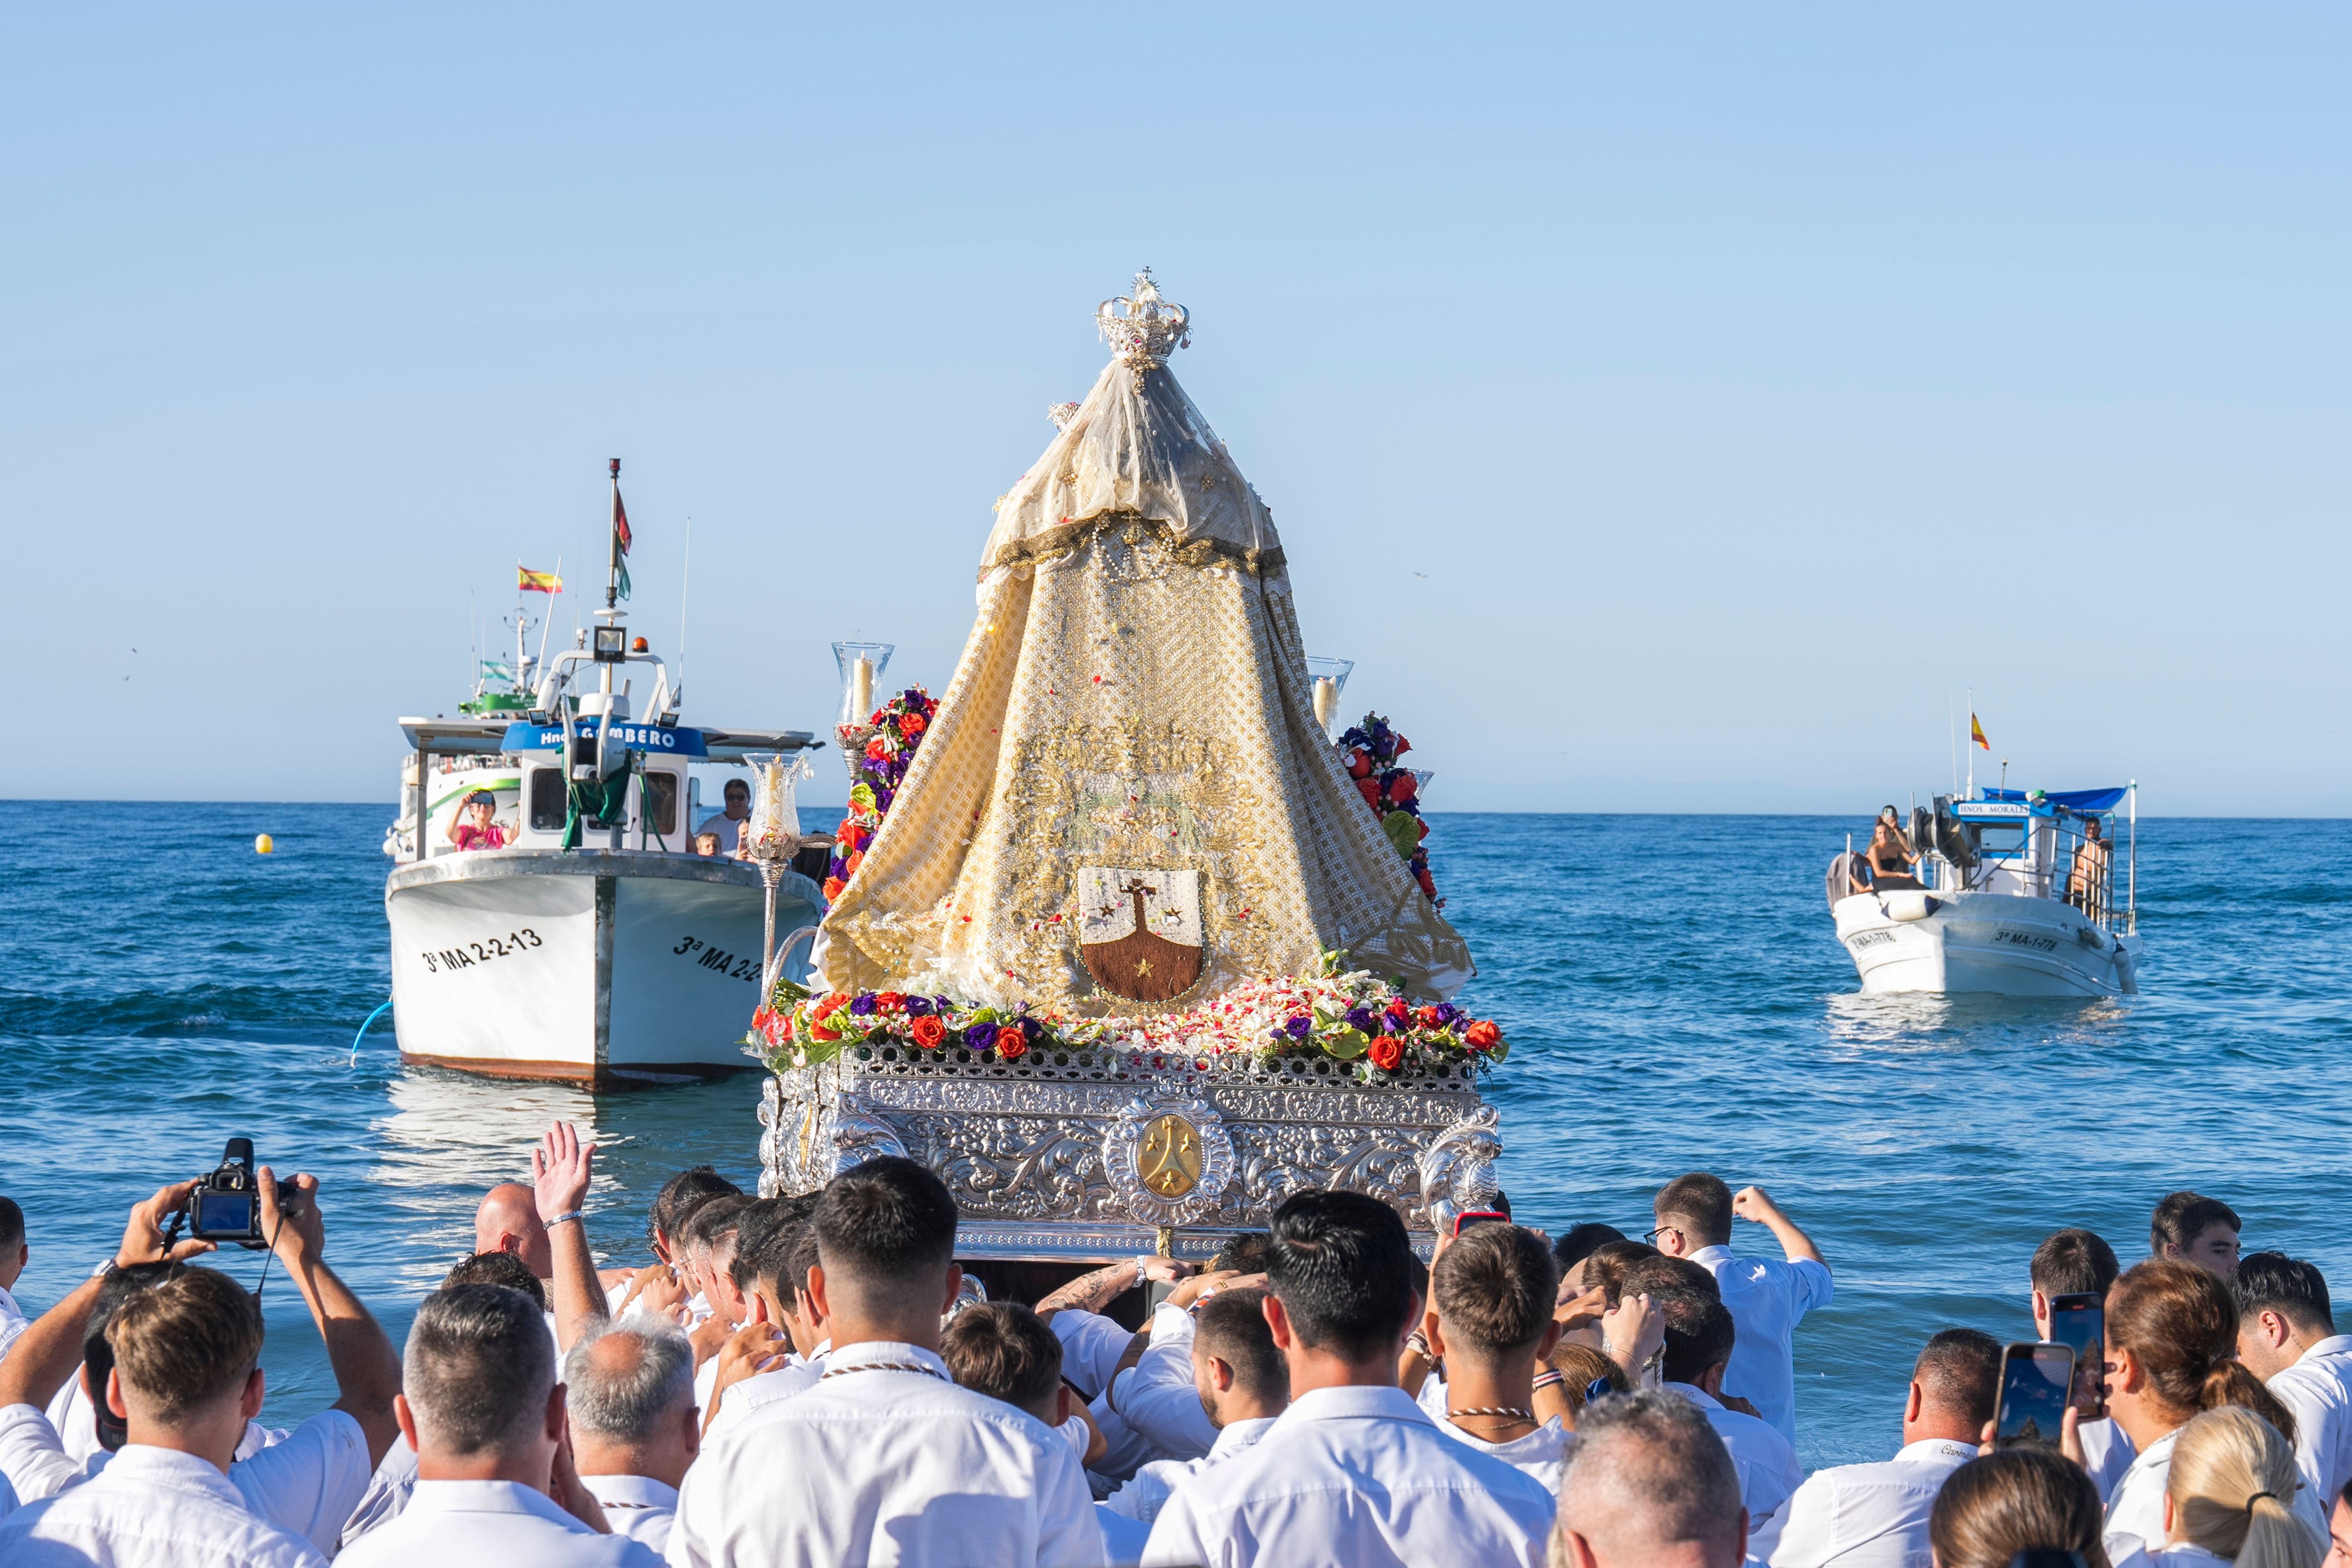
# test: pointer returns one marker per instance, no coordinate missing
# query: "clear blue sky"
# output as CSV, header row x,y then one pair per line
x,y
1664,410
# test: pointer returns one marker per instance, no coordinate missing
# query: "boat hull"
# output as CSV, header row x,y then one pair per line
x,y
1995,943
605,968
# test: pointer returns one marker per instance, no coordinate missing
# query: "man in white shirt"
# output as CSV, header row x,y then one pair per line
x,y
885,1460
1494,1287
1699,1339
14,1253
635,1429
1875,1515
186,1378
494,1487
728,823
1242,1383
308,1483
1354,1472
2287,1337
1767,1297
1648,1485
2076,1262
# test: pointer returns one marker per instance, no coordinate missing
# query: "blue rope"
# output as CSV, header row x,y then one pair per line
x,y
372,1017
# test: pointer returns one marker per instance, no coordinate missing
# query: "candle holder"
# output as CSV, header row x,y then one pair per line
x,y
770,838
861,665
1331,678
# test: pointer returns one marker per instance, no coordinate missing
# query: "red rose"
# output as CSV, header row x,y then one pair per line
x,y
761,1019
1358,766
1482,1036
819,1031
1371,790
832,885
1426,1018
1403,746
1397,1008
856,860
1386,1053
1428,884
833,1002
876,751
1403,787
910,724
889,1000
929,1032
1011,1042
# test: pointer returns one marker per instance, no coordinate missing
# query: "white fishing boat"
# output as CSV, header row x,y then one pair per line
x,y
2008,892
570,930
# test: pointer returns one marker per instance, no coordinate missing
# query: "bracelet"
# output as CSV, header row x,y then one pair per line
x,y
564,1219
1418,1343
1551,1379
1141,1277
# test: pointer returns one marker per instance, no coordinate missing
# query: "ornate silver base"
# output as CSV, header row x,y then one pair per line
x,y
1096,1155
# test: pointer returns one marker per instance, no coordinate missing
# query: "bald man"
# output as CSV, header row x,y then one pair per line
x,y
508,1221
1648,1485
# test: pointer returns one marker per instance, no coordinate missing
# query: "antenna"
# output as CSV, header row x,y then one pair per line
x,y
685,578
1952,732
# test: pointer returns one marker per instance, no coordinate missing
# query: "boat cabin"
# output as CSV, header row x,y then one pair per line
x,y
2031,844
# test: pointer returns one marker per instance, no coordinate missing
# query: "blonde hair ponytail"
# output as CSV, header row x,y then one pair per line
x,y
2232,1482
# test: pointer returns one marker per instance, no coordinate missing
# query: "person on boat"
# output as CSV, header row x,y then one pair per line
x,y
472,828
2087,883
728,823
705,845
1893,863
1857,873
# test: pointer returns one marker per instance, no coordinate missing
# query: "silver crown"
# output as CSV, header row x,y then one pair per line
x,y
1147,330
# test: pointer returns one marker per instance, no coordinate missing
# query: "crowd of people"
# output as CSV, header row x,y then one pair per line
x,y
812,1379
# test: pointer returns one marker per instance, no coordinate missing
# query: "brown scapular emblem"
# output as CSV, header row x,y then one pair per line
x,y
1141,966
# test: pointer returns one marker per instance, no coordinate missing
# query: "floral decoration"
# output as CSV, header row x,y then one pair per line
x,y
898,727
1393,793
1349,1015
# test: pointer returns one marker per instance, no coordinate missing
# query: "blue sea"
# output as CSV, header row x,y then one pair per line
x,y
1674,996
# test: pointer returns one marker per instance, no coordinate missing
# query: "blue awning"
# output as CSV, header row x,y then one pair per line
x,y
2084,802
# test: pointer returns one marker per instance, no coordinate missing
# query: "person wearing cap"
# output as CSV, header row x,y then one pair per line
x,y
472,828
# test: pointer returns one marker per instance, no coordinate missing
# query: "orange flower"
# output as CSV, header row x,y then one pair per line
x,y
1482,1036
1426,1018
1386,1053
832,1003
832,885
857,859
1011,1042
876,751
929,1032
889,1000
819,1031
910,724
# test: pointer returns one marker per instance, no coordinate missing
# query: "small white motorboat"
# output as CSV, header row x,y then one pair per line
x,y
2014,894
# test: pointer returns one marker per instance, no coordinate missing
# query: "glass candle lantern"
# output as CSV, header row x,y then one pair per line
x,y
862,663
1330,678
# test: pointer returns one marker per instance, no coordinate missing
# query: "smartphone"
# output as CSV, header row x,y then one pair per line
x,y
1464,1220
2035,1382
2080,1323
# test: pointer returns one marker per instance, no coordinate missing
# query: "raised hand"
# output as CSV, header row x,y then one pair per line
x,y
142,1237
291,1220
561,1168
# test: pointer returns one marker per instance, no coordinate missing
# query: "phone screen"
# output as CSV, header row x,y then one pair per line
x,y
2034,1381
2080,1323
1463,1222
223,1214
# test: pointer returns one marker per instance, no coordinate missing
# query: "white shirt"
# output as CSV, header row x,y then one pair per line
x,y
12,1322
2107,1454
388,1492
638,1507
726,826
2319,1389
2136,1516
1864,1516
1358,1477
309,1484
151,1508
76,1423
1766,1297
1124,1538
882,1466
1125,1449
1769,1472
1156,1397
1540,1455
756,1391
1142,1497
489,1524
1092,1345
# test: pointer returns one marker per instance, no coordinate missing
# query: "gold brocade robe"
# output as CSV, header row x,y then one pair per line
x,y
1132,722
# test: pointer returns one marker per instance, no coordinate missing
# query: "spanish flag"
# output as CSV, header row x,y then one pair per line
x,y
1976,733
530,582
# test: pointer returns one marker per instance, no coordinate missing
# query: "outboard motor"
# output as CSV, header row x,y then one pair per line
x,y
1951,838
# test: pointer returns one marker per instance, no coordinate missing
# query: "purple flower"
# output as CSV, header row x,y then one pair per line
x,y
1032,1027
940,1004
1448,1015
918,1006
882,797
1361,1017
914,697
862,1004
1392,1024
1297,1028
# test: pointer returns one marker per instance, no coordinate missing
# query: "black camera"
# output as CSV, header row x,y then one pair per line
x,y
227,1204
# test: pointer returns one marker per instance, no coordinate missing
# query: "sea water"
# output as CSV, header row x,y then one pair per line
x,y
1670,988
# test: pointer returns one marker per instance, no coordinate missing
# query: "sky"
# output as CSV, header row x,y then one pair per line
x,y
1668,409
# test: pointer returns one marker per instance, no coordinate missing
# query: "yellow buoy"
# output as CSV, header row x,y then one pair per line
x,y
265,845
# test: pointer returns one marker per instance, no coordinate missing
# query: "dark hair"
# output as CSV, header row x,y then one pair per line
x,y
804,1256
1605,1266
186,1341
1699,1333
12,1224
1658,1272
2181,1324
888,1222
1494,1290
713,1221
1998,1506
766,1265
497,1268
98,1356
1702,1201
2073,1262
1338,1263
681,1195
1648,1465
1231,1326
1244,1251
2296,1290
1960,1370
765,1218
2183,1216
1581,1241
478,1368
1005,1350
